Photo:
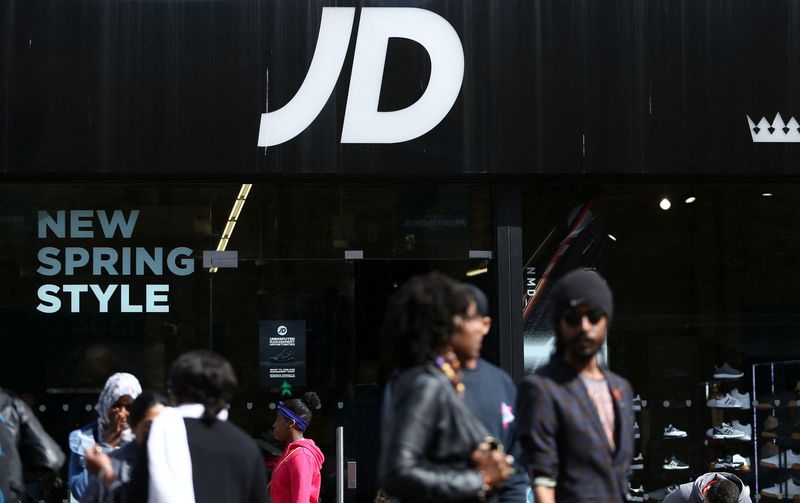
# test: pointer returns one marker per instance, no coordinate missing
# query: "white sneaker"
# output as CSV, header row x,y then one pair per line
x,y
792,459
638,462
744,428
673,432
740,462
725,401
792,489
775,461
743,399
773,492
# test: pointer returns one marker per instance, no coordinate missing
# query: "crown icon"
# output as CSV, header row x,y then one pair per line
x,y
777,132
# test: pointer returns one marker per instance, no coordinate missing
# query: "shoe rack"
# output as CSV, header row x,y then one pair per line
x,y
729,402
776,443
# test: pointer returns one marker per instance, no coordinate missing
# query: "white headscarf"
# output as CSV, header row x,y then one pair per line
x,y
117,386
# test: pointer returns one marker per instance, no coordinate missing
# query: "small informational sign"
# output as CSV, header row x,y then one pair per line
x,y
282,353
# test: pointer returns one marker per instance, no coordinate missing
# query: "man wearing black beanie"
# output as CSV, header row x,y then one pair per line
x,y
575,418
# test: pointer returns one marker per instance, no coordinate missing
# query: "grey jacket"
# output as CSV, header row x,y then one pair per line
x,y
691,491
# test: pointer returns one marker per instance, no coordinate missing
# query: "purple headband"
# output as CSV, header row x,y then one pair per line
x,y
301,423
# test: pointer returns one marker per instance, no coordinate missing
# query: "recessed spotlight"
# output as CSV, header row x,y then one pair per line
x,y
690,200
665,204
767,194
611,236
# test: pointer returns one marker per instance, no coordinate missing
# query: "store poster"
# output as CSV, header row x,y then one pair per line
x,y
282,354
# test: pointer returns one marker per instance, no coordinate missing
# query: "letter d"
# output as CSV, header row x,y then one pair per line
x,y
363,123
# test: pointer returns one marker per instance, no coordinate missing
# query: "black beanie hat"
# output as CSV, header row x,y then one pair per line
x,y
582,288
481,301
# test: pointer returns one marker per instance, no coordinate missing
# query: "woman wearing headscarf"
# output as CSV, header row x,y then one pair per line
x,y
109,432
296,477
433,449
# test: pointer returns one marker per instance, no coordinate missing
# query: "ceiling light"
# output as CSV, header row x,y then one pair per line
x,y
767,194
665,204
230,224
690,200
476,272
611,236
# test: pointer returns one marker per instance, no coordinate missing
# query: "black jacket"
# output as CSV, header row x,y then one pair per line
x,y
427,439
31,446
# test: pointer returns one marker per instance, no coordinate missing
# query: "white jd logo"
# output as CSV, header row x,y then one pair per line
x,y
363,123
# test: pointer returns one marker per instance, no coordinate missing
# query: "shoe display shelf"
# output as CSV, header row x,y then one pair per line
x,y
729,434
776,439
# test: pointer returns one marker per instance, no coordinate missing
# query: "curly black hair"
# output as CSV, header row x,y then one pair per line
x,y
203,377
419,319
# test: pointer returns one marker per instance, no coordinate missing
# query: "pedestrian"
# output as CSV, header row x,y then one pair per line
x,y
110,430
433,449
194,454
296,476
489,392
714,487
24,446
576,418
112,473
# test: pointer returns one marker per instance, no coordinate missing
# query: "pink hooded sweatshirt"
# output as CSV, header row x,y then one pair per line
x,y
296,478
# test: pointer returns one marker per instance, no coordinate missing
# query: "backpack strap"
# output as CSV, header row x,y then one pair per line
x,y
274,470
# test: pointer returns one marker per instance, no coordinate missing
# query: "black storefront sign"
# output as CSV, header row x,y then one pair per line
x,y
619,86
282,354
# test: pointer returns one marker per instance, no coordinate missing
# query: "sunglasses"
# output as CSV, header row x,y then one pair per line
x,y
574,317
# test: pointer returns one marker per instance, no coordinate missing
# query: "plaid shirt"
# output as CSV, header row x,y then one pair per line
x,y
563,440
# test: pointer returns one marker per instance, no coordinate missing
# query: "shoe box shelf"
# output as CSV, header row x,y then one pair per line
x,y
776,443
672,429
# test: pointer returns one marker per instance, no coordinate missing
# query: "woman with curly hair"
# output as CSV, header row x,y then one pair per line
x,y
433,449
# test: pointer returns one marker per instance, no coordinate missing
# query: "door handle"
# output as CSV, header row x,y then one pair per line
x,y
351,474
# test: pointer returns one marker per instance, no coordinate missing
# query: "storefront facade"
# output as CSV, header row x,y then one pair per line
x,y
357,144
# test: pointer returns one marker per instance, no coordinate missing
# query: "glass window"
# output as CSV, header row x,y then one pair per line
x,y
703,275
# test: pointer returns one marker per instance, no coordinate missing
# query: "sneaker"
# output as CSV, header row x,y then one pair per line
x,y
724,430
741,463
769,449
726,372
792,489
773,492
661,494
287,355
726,463
783,431
673,432
638,462
776,461
744,428
743,399
636,432
792,459
635,494
673,463
725,401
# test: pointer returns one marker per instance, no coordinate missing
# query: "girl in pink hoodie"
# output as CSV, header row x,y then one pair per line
x,y
296,477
